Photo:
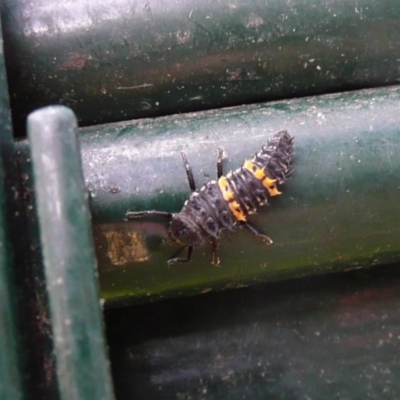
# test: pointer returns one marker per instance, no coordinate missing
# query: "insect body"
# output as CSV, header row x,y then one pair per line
x,y
228,201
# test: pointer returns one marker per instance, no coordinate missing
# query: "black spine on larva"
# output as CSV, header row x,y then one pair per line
x,y
276,160
276,156
208,211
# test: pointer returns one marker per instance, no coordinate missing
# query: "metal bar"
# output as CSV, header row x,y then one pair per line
x,y
338,211
69,260
117,60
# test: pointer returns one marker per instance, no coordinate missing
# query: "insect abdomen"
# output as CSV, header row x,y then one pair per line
x,y
250,185
276,156
221,204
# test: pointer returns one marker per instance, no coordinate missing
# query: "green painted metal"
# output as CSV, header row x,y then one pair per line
x,y
328,337
120,60
68,255
117,60
10,373
10,345
338,211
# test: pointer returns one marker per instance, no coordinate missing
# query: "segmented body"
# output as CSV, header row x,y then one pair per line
x,y
221,204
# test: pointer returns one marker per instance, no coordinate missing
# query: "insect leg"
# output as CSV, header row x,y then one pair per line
x,y
254,231
188,258
220,169
214,256
189,172
139,214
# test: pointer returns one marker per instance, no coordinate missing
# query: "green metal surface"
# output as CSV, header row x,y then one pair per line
x,y
10,345
68,255
338,211
116,60
326,336
329,337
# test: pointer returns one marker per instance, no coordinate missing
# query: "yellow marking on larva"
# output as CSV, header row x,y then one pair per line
x,y
257,172
228,195
237,211
269,184
225,189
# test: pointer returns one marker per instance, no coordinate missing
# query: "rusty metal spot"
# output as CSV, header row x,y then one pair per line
x,y
124,247
73,61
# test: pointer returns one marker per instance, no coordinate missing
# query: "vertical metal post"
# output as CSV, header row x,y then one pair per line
x,y
69,259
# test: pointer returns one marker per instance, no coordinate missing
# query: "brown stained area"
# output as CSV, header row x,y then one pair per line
x,y
365,306
73,61
211,67
120,245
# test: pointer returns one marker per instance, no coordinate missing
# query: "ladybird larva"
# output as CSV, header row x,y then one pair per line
x,y
228,201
